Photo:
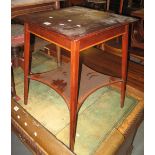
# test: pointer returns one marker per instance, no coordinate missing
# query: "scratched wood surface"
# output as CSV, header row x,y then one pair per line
x,y
75,22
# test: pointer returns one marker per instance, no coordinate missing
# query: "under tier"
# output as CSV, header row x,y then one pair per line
x,y
59,80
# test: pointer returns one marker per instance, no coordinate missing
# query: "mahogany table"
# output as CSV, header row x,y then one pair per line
x,y
75,29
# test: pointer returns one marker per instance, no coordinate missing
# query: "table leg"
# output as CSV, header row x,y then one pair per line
x,y
58,50
124,64
26,62
57,5
74,91
13,90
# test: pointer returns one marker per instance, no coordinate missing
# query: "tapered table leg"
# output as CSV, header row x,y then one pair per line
x,y
58,50
124,64
26,62
74,91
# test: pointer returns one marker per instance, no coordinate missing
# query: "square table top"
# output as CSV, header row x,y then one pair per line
x,y
76,22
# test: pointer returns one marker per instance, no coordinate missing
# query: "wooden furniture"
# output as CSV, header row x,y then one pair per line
x,y
13,90
136,39
97,4
60,28
17,44
137,32
105,4
21,7
111,4
120,10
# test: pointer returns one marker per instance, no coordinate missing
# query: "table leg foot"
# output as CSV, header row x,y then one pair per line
x,y
124,64
25,101
123,90
26,88
74,89
58,49
26,92
13,90
73,124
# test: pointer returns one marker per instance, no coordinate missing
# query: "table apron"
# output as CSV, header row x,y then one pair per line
x,y
101,37
50,36
85,42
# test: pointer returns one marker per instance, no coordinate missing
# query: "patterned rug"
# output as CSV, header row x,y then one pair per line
x,y
97,117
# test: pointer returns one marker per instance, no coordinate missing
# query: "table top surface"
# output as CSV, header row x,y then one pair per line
x,y
76,22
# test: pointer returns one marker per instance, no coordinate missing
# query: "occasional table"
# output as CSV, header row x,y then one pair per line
x,y
75,29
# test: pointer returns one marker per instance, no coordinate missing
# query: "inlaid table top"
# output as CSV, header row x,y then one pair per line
x,y
76,22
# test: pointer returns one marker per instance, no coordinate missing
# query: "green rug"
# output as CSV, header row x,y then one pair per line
x,y
97,117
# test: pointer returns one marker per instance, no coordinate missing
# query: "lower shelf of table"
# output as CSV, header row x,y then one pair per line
x,y
59,80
